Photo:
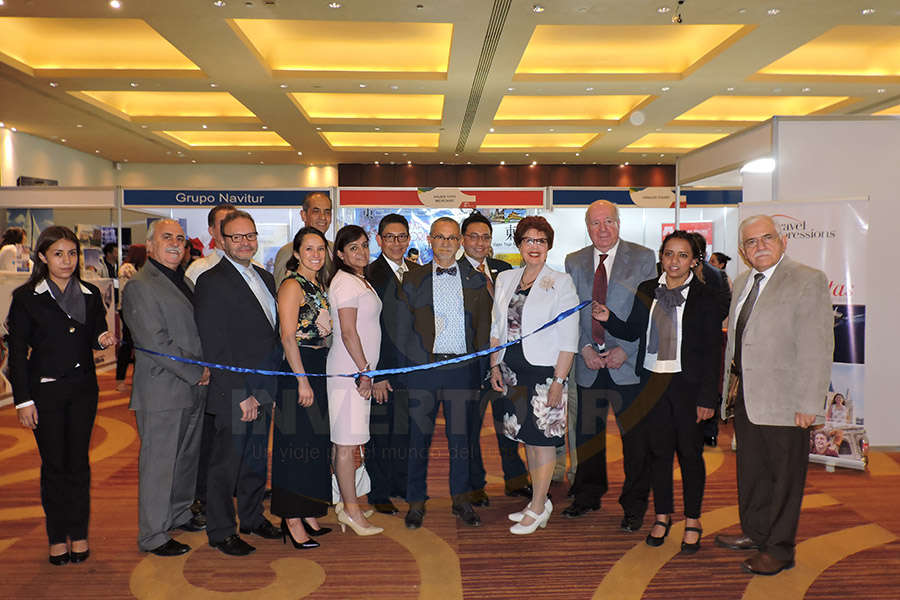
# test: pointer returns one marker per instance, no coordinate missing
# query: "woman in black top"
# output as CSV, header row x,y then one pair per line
x,y
676,319
61,319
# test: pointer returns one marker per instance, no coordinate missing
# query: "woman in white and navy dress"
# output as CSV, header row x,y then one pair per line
x,y
676,319
533,374
55,322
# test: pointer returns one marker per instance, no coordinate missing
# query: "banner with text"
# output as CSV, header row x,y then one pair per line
x,y
209,198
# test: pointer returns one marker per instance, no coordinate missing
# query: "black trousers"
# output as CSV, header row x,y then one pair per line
x,y
591,480
125,352
66,409
237,467
207,433
515,475
771,474
387,451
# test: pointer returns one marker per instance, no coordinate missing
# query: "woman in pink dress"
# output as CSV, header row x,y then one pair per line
x,y
355,312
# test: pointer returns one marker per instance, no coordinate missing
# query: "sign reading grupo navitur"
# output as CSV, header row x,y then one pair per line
x,y
212,197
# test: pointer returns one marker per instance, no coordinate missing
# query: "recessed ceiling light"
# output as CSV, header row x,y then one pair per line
x,y
133,84
96,152
742,11
334,5
564,162
590,89
219,3
299,154
376,163
212,85
395,87
578,154
731,89
551,129
665,88
193,160
362,85
143,127
318,129
203,126
661,155
409,162
115,4
79,125
13,129
526,154
248,153
537,8
626,163
456,154
283,86
868,11
468,162
881,90
265,126
806,89
53,84
533,163
773,11
442,162
502,162
621,165
510,89
64,140
609,129
663,9
124,160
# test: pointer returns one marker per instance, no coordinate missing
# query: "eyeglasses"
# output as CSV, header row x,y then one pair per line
x,y
529,241
395,237
237,237
449,238
750,244
474,237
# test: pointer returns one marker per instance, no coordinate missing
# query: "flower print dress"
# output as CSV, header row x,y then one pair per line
x,y
526,417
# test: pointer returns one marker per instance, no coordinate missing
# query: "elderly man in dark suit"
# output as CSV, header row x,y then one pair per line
x,y
477,235
448,314
608,271
780,344
388,447
168,397
236,315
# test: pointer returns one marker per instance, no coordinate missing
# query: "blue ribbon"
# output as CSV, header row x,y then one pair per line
x,y
374,373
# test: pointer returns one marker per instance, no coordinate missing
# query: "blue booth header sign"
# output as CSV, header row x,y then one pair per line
x,y
208,198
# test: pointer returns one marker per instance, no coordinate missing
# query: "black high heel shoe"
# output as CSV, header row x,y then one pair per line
x,y
59,559
658,541
691,548
314,532
286,533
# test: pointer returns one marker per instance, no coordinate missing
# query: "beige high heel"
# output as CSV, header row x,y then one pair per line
x,y
339,508
345,521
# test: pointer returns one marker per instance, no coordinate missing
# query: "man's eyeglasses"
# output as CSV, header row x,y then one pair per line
x,y
474,237
751,243
237,237
441,238
395,237
530,241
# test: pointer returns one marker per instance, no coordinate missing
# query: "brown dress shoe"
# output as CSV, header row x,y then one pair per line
x,y
763,563
736,542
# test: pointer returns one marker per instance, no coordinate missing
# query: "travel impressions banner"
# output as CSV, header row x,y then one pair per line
x,y
831,236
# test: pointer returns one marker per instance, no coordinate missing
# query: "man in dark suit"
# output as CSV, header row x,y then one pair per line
x,y
608,271
477,235
780,344
168,397
448,315
388,447
237,318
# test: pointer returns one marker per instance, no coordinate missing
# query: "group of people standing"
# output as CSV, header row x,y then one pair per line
x,y
649,346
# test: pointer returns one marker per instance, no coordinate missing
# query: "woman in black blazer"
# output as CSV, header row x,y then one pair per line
x,y
60,319
676,319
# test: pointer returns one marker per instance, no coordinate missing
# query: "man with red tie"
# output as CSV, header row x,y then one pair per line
x,y
608,271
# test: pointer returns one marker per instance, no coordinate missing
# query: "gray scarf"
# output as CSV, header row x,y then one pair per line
x,y
71,300
664,322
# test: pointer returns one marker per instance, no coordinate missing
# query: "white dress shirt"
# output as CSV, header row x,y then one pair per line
x,y
258,287
749,285
610,259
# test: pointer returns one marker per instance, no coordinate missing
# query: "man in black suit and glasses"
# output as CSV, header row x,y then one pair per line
x,y
236,316
388,448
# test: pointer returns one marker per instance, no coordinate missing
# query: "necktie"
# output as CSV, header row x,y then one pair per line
x,y
490,284
400,271
743,317
598,294
448,271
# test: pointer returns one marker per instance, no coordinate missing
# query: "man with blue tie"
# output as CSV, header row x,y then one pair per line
x,y
448,315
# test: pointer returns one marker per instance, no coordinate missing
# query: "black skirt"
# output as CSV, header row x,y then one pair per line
x,y
526,417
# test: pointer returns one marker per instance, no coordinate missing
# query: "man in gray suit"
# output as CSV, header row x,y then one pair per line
x,y
168,397
607,271
316,213
781,346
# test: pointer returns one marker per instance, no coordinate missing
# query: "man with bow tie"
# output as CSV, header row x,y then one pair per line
x,y
448,315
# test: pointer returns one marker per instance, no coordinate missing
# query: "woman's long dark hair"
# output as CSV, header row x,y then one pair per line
x,y
680,234
345,235
293,264
12,235
48,237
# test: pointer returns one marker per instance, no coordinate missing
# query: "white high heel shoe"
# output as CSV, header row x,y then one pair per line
x,y
345,521
339,508
540,520
518,516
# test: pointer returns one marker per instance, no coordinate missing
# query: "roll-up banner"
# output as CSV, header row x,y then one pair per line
x,y
831,236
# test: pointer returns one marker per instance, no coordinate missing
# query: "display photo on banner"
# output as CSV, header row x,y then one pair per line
x,y
831,236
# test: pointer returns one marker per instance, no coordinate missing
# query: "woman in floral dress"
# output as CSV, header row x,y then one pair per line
x,y
533,374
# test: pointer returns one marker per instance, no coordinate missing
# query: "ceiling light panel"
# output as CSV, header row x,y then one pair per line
x,y
370,108
87,44
846,51
362,140
545,142
224,140
567,108
314,48
622,51
731,110
168,104
674,143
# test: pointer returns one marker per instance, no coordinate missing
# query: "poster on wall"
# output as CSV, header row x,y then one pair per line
x,y
831,236
704,228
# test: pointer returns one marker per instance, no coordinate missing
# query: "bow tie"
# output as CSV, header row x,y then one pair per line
x,y
449,271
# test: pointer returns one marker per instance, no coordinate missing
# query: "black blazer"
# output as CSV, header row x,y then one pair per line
x,y
701,337
416,327
234,331
380,274
497,266
60,346
718,281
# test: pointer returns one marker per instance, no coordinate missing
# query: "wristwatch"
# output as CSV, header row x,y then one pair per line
x,y
561,380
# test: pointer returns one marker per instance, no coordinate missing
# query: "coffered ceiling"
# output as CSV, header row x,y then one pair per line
x,y
481,81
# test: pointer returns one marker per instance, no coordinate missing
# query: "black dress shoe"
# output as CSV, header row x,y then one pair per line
x,y
692,548
654,541
195,523
479,498
287,535
385,508
522,492
631,523
233,545
171,548
264,530
467,514
198,507
59,559
577,509
78,557
414,518
710,440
